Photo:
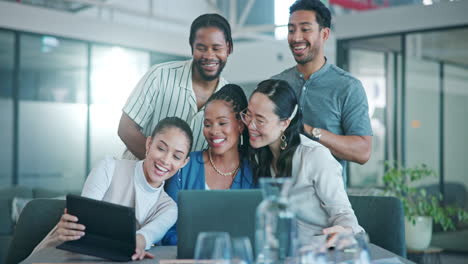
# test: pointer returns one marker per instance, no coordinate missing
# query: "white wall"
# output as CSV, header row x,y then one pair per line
x,y
251,62
46,21
401,19
161,9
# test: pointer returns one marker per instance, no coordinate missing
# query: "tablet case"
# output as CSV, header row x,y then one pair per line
x,y
110,229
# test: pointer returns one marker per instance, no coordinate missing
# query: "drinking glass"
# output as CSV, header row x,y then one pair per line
x,y
351,249
313,250
213,247
242,251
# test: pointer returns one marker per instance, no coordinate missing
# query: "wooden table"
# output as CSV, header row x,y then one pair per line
x,y
53,255
427,256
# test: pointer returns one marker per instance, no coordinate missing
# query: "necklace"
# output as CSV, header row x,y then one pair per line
x,y
217,170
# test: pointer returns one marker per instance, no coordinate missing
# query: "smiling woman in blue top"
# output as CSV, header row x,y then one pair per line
x,y
224,164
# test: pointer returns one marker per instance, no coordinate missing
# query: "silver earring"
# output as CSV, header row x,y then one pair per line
x,y
242,140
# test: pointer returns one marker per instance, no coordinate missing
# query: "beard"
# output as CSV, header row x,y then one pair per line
x,y
209,77
305,60
310,56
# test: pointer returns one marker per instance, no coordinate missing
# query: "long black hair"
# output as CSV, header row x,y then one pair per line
x,y
285,101
174,122
234,94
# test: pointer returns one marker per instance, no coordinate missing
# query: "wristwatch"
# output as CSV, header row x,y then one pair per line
x,y
316,133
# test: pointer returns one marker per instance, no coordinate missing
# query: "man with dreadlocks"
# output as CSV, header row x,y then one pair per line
x,y
178,88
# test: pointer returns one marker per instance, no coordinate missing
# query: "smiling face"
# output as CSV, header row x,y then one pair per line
x,y
261,110
167,152
221,127
210,53
306,39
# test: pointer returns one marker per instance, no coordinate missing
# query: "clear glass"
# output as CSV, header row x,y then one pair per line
x,y
276,227
313,252
351,249
52,112
242,251
7,41
213,247
422,107
374,62
455,131
369,67
115,71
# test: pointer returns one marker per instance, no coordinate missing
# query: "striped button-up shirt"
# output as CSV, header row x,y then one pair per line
x,y
166,90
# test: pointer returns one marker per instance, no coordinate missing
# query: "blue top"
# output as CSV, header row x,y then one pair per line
x,y
331,99
192,177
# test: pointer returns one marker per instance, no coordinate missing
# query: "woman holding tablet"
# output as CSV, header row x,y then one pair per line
x,y
137,184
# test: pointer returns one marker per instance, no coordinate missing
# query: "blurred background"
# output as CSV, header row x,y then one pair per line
x,y
67,67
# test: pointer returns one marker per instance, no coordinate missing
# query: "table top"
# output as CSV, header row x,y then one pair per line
x,y
53,255
429,250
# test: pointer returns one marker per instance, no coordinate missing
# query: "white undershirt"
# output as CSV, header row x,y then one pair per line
x,y
99,181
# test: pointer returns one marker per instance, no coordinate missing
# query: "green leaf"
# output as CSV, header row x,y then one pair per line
x,y
397,181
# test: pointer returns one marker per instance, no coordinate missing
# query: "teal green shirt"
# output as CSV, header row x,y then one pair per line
x,y
331,99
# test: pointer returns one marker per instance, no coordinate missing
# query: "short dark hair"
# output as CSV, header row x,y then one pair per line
x,y
175,122
211,20
322,13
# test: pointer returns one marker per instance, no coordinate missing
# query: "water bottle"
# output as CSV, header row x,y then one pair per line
x,y
276,228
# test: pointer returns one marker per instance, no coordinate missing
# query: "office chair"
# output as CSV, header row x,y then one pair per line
x,y
36,220
383,219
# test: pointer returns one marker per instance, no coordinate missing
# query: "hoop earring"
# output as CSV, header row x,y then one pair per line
x,y
283,143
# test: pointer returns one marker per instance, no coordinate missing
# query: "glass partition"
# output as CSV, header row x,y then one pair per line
x,y
425,121
7,44
115,71
375,62
422,109
369,68
455,101
456,124
52,112
44,115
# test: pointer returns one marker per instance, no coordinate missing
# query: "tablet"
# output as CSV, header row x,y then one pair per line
x,y
110,229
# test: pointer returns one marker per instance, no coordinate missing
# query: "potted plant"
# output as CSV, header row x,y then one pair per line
x,y
421,209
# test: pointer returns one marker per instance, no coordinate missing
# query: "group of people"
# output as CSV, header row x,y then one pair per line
x,y
185,127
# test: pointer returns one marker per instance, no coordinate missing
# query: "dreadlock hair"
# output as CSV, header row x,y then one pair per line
x,y
233,94
285,103
211,20
322,13
174,122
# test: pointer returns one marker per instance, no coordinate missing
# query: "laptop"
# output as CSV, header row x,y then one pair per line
x,y
110,229
231,211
